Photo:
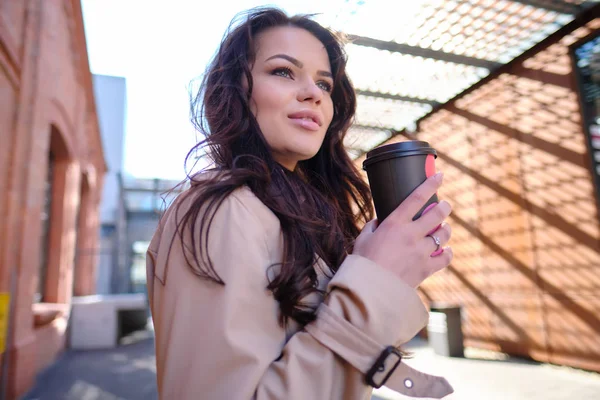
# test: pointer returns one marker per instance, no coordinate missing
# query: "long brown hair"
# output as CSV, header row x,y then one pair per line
x,y
335,199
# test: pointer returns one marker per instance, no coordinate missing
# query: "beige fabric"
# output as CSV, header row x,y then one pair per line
x,y
224,342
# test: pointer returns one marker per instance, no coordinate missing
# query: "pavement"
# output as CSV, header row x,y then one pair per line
x,y
128,372
487,375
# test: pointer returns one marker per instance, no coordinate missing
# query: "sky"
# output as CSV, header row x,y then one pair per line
x,y
159,47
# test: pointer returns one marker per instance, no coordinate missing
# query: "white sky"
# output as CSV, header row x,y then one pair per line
x,y
159,47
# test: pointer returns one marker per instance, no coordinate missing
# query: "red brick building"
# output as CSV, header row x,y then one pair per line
x,y
51,171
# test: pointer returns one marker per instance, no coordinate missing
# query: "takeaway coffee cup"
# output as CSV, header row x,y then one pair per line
x,y
395,170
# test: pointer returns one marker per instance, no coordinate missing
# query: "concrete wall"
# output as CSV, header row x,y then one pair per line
x,y
525,225
46,106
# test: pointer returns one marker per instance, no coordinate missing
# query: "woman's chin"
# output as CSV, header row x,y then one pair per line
x,y
307,156
297,156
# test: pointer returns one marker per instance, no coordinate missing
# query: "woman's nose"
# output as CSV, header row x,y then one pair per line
x,y
310,91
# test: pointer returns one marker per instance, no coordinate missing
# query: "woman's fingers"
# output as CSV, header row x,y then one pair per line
x,y
440,262
366,232
400,245
443,235
431,220
416,200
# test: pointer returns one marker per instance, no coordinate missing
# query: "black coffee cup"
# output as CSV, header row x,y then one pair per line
x,y
395,170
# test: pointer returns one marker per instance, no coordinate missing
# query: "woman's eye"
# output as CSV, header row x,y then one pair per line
x,y
285,72
326,86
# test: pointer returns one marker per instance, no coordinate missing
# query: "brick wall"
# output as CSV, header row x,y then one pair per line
x,y
525,221
46,105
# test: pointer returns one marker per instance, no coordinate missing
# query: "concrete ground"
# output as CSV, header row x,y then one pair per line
x,y
486,375
128,373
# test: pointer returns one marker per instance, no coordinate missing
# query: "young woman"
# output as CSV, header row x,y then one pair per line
x,y
259,281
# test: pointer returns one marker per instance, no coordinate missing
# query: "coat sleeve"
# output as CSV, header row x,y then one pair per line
x,y
224,342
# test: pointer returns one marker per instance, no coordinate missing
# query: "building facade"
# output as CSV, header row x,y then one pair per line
x,y
519,159
51,174
144,201
130,207
111,98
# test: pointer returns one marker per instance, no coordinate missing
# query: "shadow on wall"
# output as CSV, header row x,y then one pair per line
x,y
526,234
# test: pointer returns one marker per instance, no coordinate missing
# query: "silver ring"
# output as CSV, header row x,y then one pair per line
x,y
436,241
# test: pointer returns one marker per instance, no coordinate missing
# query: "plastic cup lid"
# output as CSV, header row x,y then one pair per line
x,y
407,148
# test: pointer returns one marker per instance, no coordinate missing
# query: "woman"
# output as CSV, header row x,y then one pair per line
x,y
259,282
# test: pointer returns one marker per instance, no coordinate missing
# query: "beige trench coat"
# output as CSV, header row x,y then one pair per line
x,y
224,342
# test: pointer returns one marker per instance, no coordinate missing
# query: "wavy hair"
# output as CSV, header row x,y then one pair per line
x,y
335,199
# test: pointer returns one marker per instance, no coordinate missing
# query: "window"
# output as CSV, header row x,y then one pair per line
x,y
45,239
138,266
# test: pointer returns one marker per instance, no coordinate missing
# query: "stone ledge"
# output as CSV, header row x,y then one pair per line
x,y
45,313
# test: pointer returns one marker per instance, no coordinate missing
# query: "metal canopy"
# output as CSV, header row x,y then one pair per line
x,y
421,52
408,56
396,97
558,6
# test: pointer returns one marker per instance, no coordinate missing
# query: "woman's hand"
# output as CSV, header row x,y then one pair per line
x,y
402,245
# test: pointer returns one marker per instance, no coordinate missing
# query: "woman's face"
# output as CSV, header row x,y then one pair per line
x,y
291,96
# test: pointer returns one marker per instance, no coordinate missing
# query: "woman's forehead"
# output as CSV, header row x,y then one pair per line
x,y
292,41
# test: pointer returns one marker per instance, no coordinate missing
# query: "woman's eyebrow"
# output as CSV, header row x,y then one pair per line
x,y
291,59
298,63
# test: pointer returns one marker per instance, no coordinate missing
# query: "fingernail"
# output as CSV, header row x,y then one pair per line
x,y
445,204
437,253
429,207
439,176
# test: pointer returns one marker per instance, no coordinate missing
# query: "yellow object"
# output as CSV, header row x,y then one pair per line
x,y
4,310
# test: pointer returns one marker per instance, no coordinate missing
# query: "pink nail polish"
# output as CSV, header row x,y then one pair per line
x,y
429,207
437,253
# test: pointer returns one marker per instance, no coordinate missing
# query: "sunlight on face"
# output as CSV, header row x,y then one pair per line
x,y
291,96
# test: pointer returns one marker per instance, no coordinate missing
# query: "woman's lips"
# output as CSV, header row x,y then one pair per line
x,y
306,123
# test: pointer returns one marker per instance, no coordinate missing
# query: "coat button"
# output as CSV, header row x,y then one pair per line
x,y
408,383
